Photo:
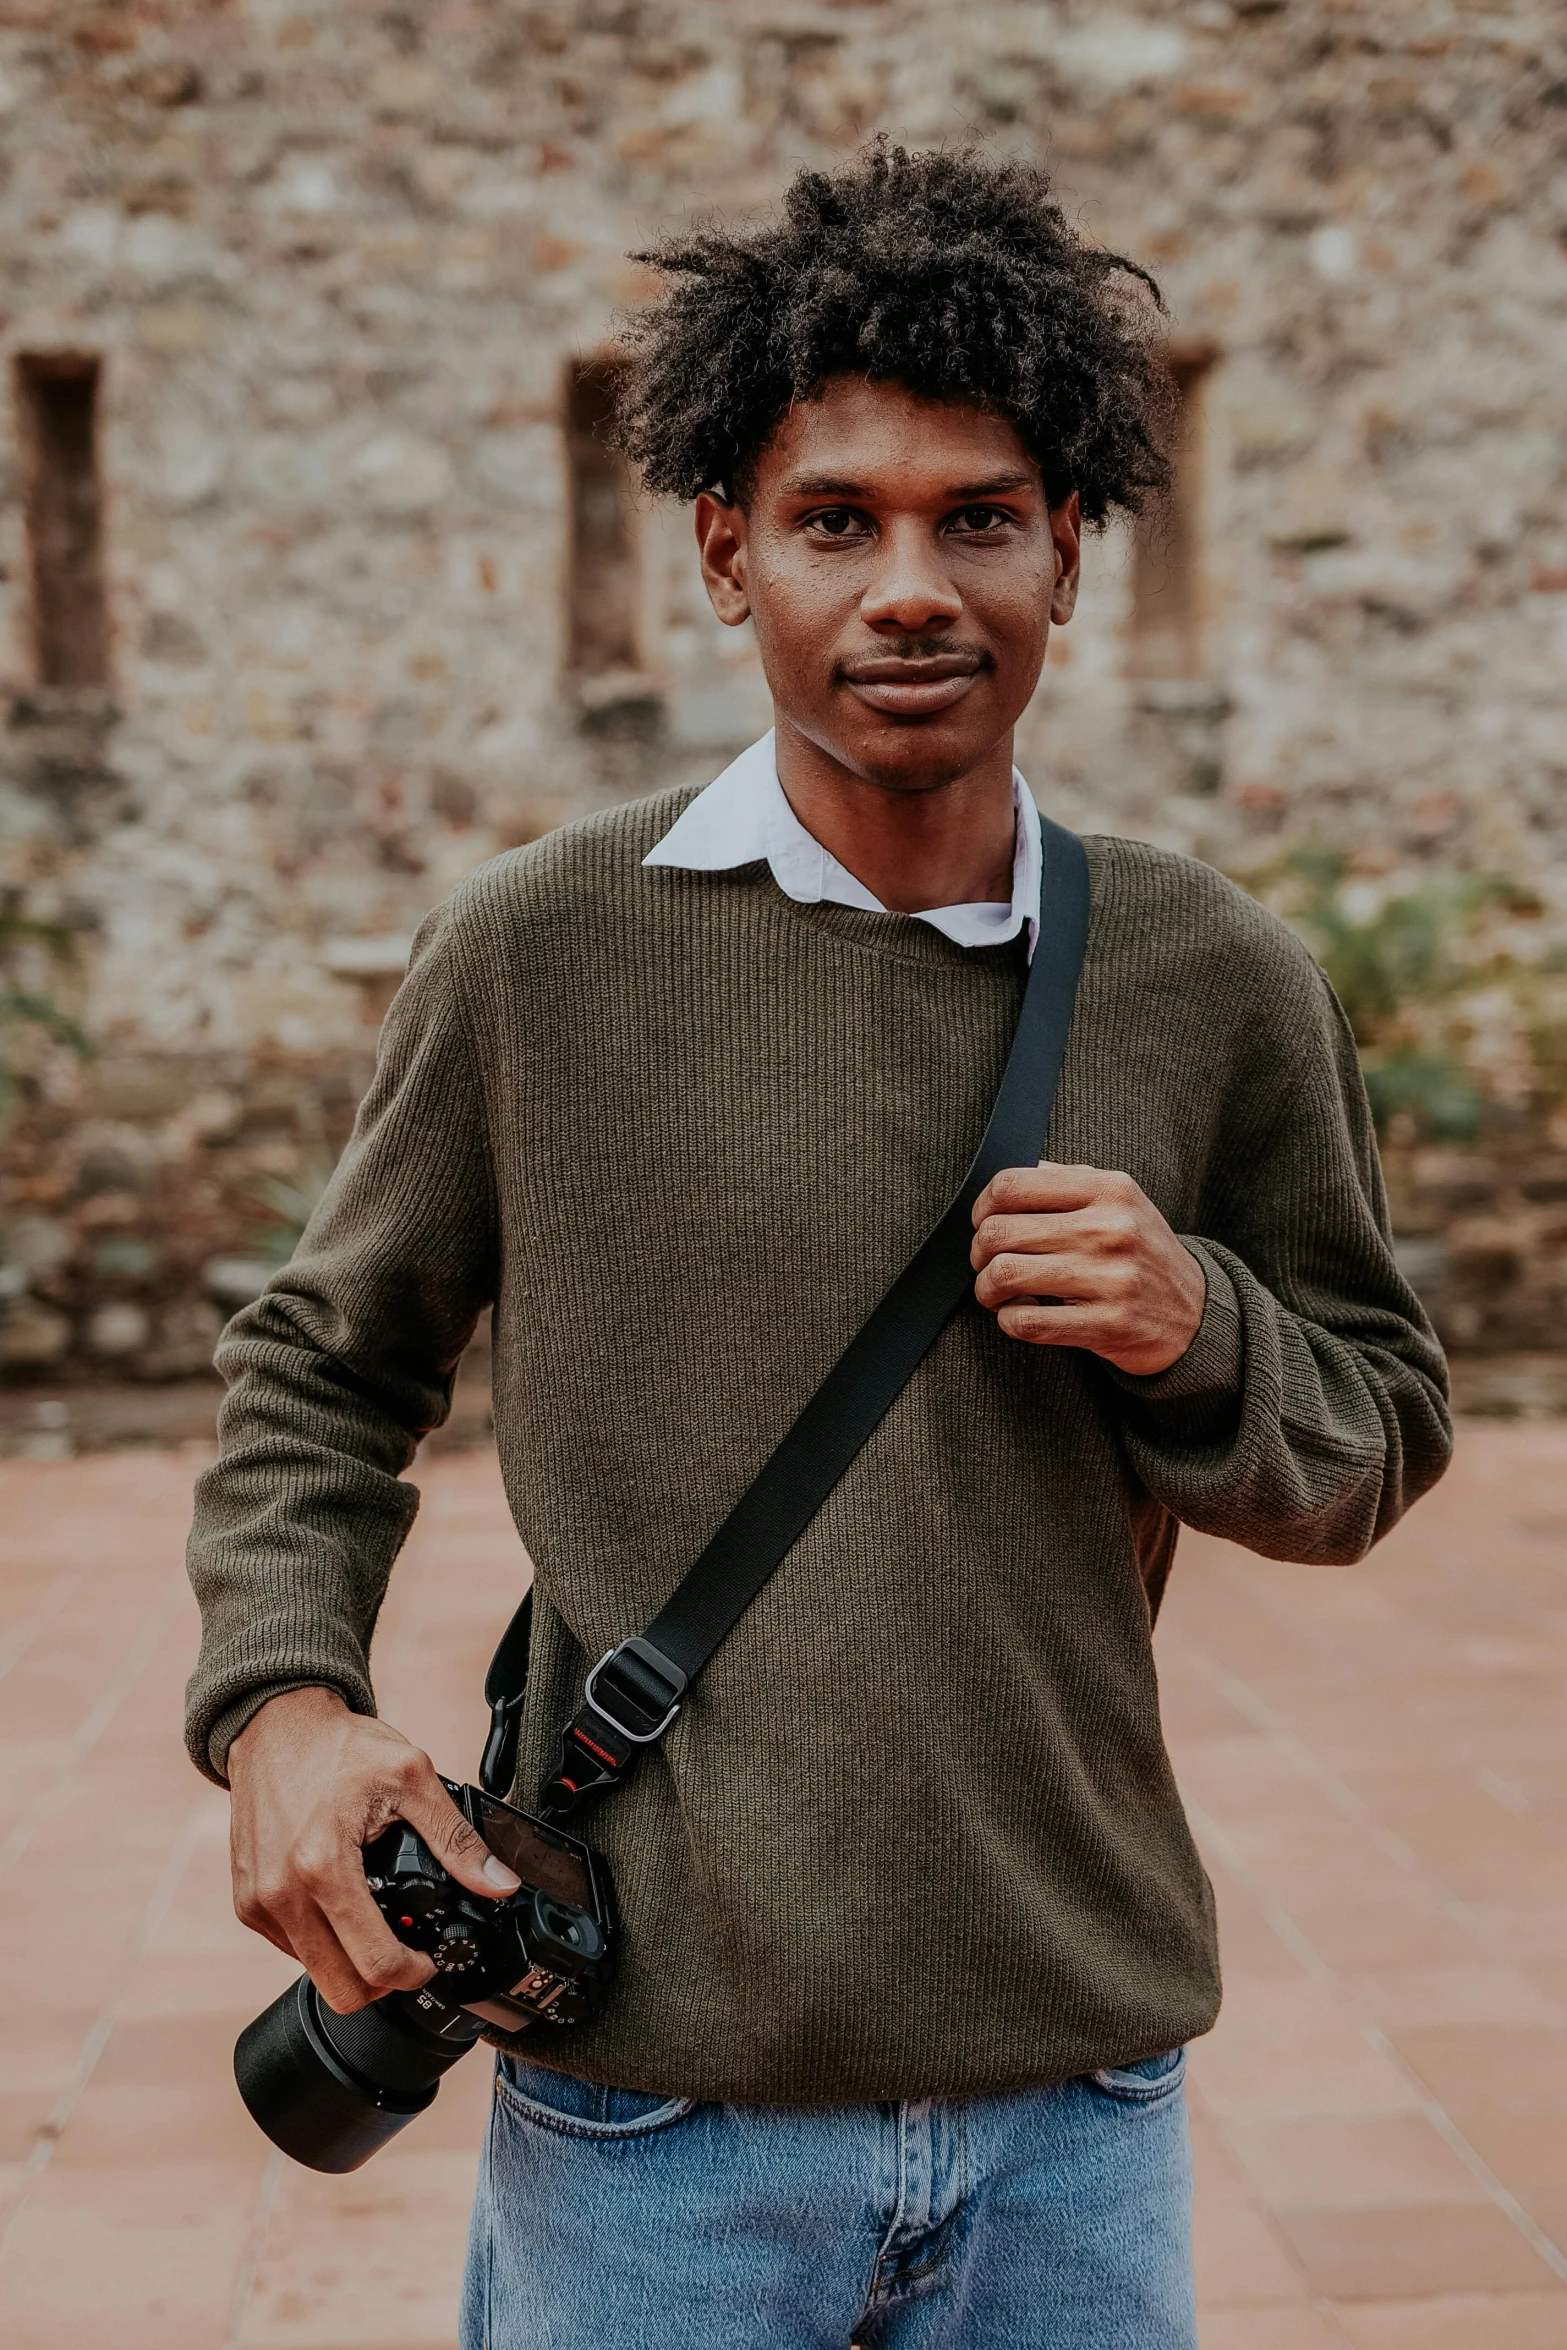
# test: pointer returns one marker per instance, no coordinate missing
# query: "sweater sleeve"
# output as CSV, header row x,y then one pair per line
x,y
336,1372
1310,1410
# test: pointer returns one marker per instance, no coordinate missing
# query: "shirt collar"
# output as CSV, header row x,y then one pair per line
x,y
744,818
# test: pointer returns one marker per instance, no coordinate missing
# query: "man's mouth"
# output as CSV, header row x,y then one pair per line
x,y
917,686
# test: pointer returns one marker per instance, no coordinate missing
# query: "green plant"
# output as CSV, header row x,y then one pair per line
x,y
1451,986
28,1013
292,1201
1432,1090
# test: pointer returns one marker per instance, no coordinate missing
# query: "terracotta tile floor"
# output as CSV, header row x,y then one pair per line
x,y
1374,1759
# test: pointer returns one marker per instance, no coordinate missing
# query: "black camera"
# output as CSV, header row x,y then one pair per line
x,y
330,2089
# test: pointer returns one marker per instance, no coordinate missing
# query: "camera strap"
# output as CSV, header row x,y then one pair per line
x,y
635,1690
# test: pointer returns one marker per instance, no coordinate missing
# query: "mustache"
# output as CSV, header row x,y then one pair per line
x,y
927,656
922,648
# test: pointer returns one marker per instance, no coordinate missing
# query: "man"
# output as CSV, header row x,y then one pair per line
x,y
915,1931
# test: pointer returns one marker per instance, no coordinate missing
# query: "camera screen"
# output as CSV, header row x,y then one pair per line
x,y
537,1858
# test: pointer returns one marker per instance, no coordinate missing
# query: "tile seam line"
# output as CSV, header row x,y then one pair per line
x,y
1293,1748
32,1627
92,2048
94,1722
1512,1799
1435,2113
1455,1569
254,2253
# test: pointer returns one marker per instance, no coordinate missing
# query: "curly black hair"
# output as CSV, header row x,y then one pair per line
x,y
949,272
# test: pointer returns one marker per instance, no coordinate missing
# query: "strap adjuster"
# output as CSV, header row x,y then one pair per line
x,y
648,1679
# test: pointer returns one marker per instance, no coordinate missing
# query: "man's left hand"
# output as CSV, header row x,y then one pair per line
x,y
1092,1246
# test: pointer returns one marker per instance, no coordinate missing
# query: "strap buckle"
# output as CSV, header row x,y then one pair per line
x,y
505,1688
643,1679
499,1766
600,1746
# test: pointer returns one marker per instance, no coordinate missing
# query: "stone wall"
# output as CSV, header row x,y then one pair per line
x,y
334,261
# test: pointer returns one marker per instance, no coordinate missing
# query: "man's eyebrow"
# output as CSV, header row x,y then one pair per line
x,y
826,485
823,485
995,487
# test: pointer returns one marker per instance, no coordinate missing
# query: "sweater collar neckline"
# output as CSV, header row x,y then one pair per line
x,y
744,817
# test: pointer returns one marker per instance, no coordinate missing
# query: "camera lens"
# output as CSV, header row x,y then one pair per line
x,y
330,2089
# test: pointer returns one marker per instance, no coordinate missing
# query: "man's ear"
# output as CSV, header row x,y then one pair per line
x,y
721,541
1066,530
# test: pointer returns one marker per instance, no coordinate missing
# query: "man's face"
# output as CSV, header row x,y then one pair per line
x,y
902,568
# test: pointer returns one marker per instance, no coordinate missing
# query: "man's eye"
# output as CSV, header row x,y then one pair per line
x,y
838,522
981,518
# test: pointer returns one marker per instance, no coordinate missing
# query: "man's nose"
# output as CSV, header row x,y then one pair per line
x,y
909,588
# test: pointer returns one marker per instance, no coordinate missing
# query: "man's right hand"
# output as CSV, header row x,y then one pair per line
x,y
313,1784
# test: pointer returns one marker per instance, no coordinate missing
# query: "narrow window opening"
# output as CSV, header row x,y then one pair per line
x,y
1167,621
63,505
603,637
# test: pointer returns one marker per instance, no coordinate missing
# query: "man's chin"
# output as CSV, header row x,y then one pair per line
x,y
913,755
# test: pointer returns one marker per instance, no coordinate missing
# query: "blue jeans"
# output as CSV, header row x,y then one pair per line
x,y
1058,2219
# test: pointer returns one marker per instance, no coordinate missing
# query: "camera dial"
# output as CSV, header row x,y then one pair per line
x,y
329,2089
459,1947
430,1911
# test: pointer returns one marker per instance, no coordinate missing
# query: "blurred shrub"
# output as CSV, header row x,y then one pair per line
x,y
288,1203
1456,988
31,955
1433,1092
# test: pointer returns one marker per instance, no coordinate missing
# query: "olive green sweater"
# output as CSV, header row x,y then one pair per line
x,y
915,1832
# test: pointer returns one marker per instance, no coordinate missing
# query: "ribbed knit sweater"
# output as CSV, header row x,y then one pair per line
x,y
915,1832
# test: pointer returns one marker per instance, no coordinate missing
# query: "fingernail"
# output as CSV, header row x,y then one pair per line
x,y
500,1876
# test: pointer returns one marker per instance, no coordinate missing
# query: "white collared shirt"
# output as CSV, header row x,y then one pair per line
x,y
744,817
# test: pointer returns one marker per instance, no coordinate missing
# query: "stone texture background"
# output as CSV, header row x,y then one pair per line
x,y
336,259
